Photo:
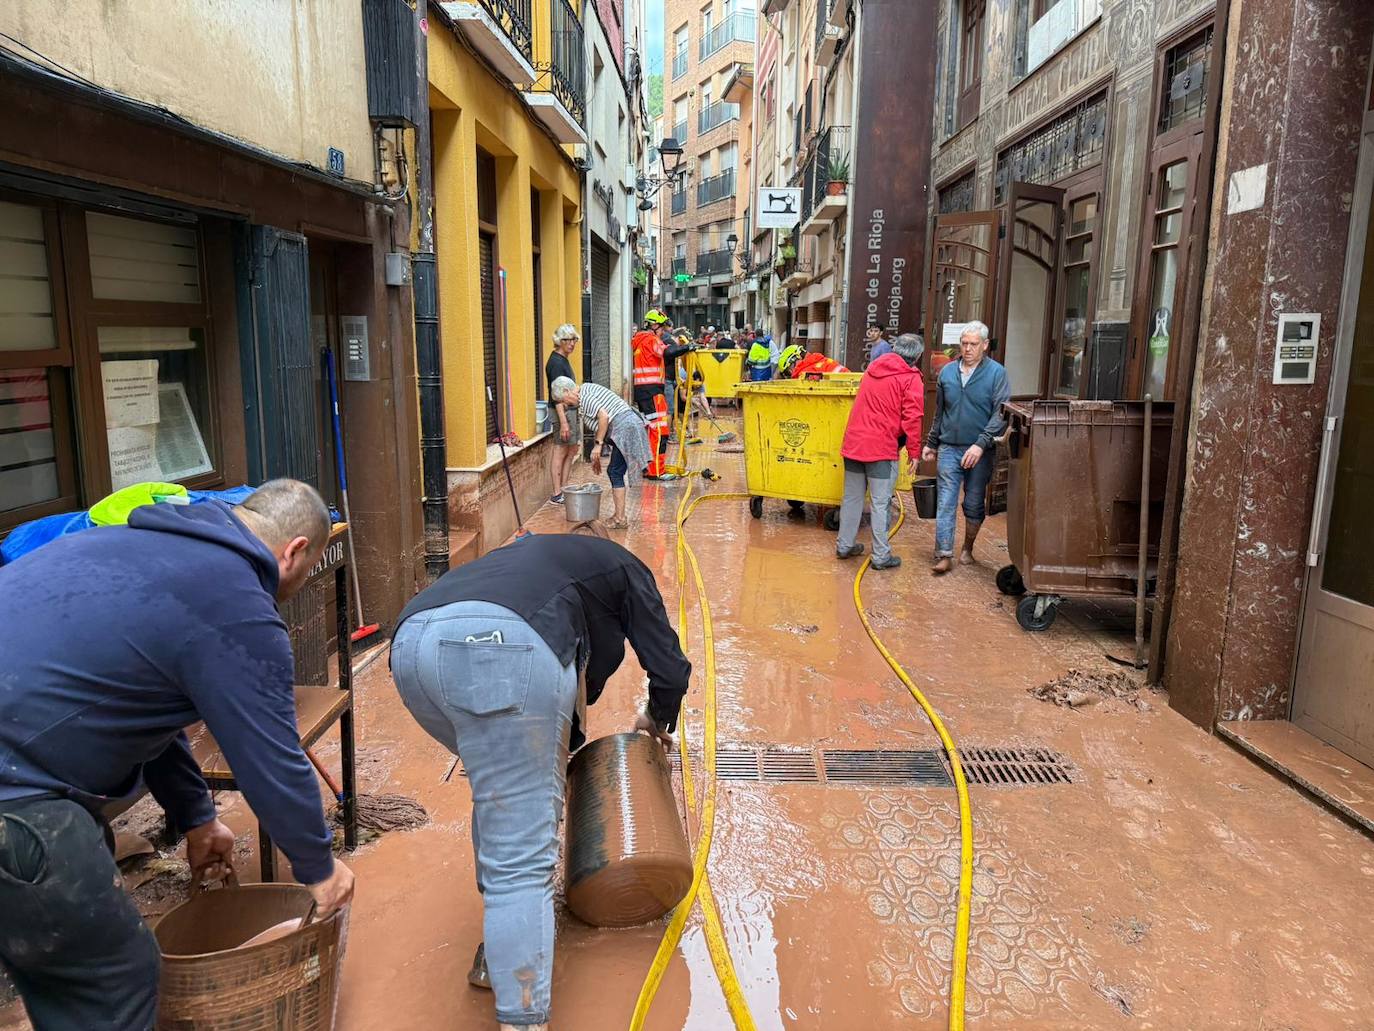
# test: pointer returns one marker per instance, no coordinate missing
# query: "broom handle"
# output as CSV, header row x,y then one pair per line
x,y
328,779
343,481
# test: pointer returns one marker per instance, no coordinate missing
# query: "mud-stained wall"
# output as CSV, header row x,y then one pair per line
x,y
287,76
1293,100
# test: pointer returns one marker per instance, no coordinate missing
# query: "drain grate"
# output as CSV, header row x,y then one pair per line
x,y
775,765
865,766
1014,767
788,767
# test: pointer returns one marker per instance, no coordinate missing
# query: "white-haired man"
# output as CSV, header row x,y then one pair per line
x,y
968,420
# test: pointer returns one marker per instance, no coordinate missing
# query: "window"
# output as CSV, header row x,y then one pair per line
x,y
1040,8
680,52
1076,281
112,310
1184,86
958,195
970,59
1163,250
1068,144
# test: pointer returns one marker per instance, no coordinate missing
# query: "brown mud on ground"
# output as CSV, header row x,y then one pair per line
x,y
1172,885
1082,687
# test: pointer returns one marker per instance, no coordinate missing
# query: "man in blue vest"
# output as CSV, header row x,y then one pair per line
x,y
968,420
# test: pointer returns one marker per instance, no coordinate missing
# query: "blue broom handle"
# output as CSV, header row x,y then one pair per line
x,y
334,406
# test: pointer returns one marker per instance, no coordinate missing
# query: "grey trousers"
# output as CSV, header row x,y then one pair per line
x,y
878,479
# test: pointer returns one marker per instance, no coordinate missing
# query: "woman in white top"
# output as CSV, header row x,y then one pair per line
x,y
616,427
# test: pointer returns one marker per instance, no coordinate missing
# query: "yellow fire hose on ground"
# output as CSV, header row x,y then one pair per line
x,y
959,975
715,939
701,884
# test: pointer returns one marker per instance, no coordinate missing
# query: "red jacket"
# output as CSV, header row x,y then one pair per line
x,y
891,401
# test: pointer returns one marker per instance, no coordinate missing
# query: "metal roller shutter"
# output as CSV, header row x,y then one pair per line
x,y
599,342
486,261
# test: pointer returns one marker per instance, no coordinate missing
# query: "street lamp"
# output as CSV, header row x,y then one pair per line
x,y
731,242
670,156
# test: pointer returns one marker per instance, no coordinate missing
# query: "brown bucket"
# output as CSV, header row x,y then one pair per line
x,y
627,860
211,982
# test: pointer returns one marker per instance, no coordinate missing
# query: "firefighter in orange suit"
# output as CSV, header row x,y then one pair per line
x,y
647,347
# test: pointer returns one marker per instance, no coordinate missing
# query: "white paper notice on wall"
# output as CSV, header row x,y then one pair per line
x,y
133,455
1248,189
180,446
130,392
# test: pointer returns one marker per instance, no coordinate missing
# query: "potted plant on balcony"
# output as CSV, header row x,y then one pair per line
x,y
837,175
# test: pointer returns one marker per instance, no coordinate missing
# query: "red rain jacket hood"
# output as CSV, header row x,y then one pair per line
x,y
891,402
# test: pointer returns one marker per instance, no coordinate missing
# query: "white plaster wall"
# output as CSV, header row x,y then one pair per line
x,y
285,75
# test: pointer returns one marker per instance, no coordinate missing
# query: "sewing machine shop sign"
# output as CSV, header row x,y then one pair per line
x,y
779,207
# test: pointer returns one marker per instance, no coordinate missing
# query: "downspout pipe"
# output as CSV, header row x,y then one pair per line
x,y
428,346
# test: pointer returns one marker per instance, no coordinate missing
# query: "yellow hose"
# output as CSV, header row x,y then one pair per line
x,y
701,885
961,920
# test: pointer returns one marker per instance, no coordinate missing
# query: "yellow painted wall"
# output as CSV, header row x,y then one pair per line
x,y
287,76
472,108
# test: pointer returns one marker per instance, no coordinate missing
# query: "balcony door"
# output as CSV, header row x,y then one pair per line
x,y
962,286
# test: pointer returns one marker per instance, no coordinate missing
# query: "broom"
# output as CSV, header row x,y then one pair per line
x,y
378,813
365,629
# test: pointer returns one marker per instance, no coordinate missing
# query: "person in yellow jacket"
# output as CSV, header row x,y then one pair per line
x,y
760,361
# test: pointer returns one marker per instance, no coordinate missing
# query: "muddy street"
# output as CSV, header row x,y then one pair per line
x,y
1139,894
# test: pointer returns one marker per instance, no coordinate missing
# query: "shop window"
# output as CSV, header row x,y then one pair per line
x,y
1184,82
155,383
1080,239
957,196
106,377
136,260
970,59
1068,144
1166,233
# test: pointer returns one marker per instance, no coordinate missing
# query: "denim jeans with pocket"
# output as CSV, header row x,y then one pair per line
x,y
952,476
71,939
482,683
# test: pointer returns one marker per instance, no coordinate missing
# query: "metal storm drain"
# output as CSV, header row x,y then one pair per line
x,y
1014,767
867,766
993,767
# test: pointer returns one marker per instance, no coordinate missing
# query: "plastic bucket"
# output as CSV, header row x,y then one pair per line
x,y
627,860
925,492
211,982
582,502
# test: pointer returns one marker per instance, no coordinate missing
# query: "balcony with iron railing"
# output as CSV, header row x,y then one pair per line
x,y
679,266
716,188
829,150
680,63
736,28
680,131
559,95
679,202
515,18
713,115
710,263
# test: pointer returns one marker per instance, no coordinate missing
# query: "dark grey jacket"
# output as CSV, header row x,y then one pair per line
x,y
967,414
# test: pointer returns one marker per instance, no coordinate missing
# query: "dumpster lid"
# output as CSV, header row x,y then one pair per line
x,y
800,387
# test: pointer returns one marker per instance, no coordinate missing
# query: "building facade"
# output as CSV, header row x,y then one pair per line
x,y
180,251
703,47
508,108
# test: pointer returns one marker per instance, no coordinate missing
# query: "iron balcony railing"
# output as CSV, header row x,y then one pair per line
x,y
710,263
679,202
515,19
718,187
715,114
680,132
568,71
832,144
679,266
737,27
823,9
680,64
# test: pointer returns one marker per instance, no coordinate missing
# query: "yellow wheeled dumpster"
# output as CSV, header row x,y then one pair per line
x,y
792,435
721,370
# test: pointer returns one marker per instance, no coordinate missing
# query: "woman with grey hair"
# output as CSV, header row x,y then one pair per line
x,y
568,428
885,418
619,434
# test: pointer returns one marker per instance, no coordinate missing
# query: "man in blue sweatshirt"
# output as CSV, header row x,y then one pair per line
x,y
968,420
112,641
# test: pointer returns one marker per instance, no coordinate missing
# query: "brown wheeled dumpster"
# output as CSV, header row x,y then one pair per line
x,y
1073,500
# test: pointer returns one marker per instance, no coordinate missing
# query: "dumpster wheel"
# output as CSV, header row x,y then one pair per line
x,y
1036,612
756,507
831,520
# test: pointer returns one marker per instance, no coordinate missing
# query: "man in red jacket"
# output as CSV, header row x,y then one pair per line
x,y
885,417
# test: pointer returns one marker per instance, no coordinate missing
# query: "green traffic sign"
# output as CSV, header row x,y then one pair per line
x,y
682,277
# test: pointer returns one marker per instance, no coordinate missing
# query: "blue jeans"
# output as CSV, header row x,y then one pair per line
x,y
951,475
618,467
482,683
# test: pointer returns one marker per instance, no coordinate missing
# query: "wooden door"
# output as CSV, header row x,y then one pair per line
x,y
1024,324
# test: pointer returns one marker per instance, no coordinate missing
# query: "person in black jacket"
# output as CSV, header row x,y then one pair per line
x,y
487,659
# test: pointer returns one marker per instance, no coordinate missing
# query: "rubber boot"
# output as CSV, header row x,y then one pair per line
x,y
478,976
971,528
